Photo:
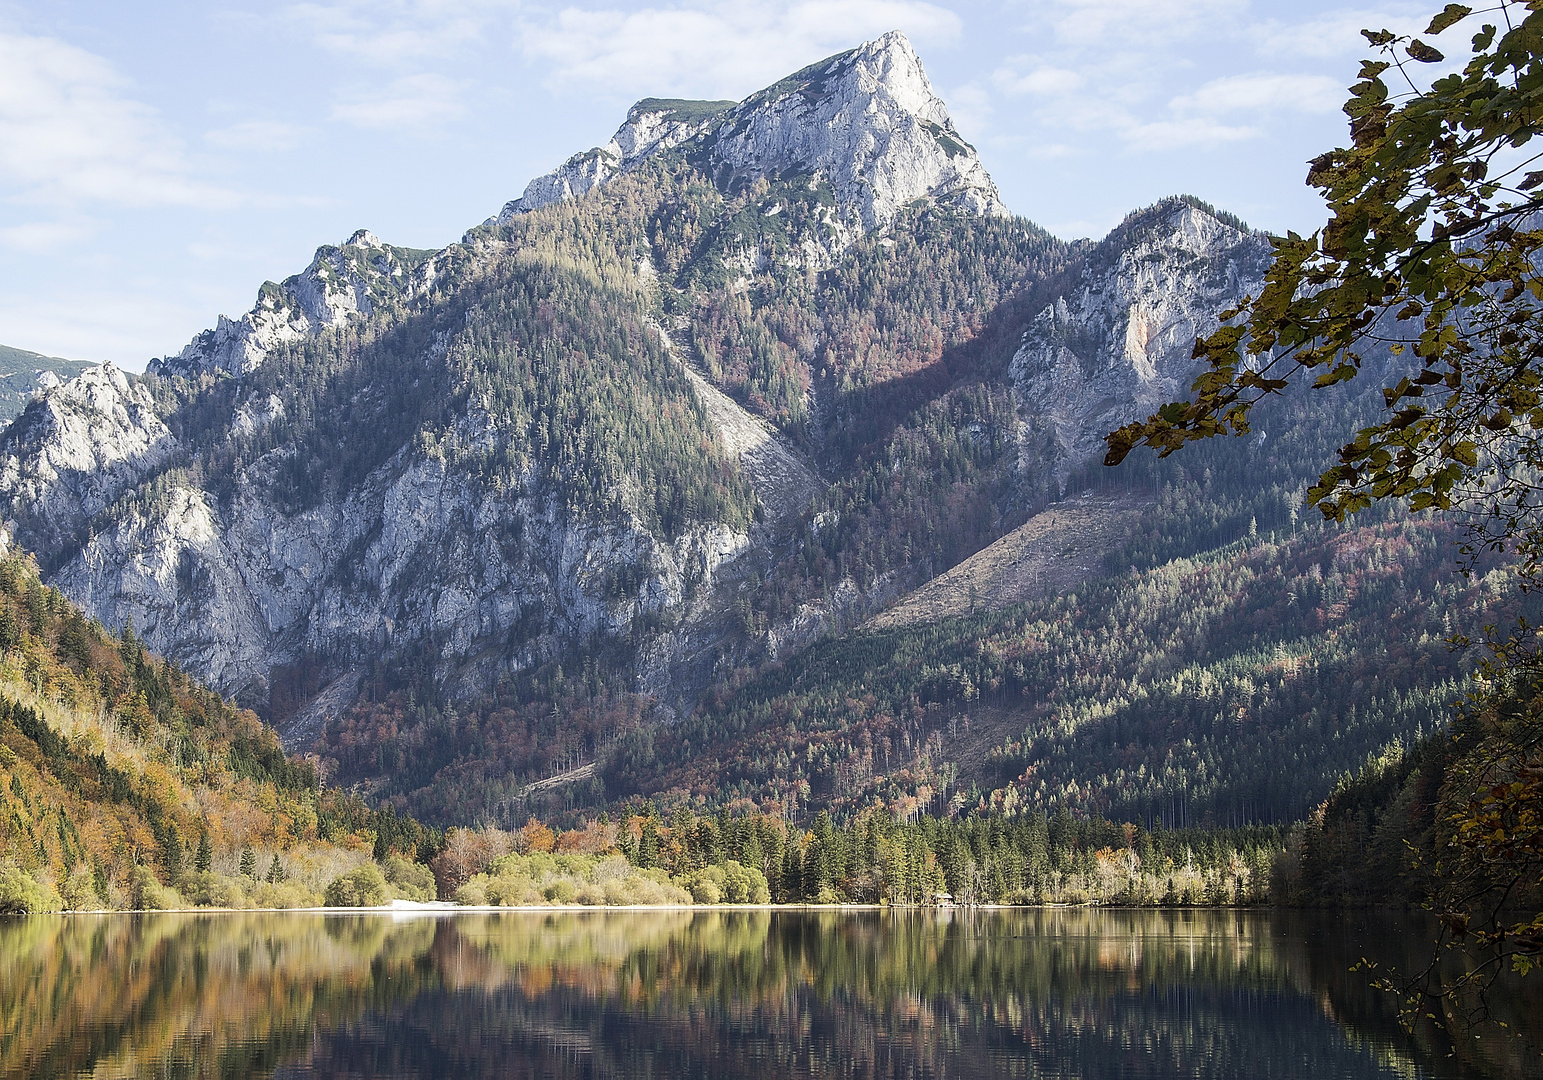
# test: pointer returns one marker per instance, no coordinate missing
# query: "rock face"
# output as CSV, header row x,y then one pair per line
x,y
652,124
346,281
1118,343
24,375
74,452
417,553
462,536
865,121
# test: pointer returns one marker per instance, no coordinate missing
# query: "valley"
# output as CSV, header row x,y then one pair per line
x,y
752,459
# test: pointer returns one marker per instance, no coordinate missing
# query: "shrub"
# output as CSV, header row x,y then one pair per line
x,y
568,878
471,894
209,889
728,883
561,891
79,891
364,887
287,894
409,880
148,894
21,894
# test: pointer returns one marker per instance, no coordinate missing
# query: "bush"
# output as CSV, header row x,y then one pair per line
x,y
728,883
561,891
148,894
21,894
364,887
568,878
409,880
471,894
79,891
209,889
285,894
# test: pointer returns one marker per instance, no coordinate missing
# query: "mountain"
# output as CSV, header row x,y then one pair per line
x,y
525,509
1116,345
24,374
866,122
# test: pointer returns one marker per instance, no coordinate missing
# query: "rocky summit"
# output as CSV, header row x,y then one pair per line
x,y
736,381
865,121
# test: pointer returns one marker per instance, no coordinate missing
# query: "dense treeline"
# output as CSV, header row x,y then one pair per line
x,y
123,780
1451,821
454,764
1231,688
872,857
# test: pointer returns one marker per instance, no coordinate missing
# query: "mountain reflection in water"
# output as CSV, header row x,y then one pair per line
x,y
739,994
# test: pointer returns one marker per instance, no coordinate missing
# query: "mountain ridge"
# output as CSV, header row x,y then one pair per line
x,y
545,496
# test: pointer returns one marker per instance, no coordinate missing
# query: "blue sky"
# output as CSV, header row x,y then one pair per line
x,y
158,161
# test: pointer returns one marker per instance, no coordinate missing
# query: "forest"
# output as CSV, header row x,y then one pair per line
x,y
126,783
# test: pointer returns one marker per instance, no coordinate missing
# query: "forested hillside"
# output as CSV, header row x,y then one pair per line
x,y
123,780
460,522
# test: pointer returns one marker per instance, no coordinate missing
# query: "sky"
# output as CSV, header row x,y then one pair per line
x,y
160,160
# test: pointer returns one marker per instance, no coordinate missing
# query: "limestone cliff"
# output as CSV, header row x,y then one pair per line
x,y
865,121
349,280
1118,343
470,462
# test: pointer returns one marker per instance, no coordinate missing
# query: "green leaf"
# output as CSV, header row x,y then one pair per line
x,y
1422,52
1447,16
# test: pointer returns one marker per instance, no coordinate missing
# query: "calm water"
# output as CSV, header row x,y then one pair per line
x,y
743,995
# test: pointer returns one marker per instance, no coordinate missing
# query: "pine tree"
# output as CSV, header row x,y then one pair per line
x,y
249,862
204,858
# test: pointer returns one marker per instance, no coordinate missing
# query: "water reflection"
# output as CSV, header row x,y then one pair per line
x,y
741,994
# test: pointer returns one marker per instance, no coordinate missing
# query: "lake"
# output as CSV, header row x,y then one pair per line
x,y
741,994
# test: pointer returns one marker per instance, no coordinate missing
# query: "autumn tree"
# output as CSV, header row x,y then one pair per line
x,y
1429,276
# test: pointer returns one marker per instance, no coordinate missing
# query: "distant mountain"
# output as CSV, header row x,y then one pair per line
x,y
865,121
729,385
24,374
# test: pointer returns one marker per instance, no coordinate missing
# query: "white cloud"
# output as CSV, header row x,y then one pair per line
x,y
69,132
717,48
1339,34
970,107
391,32
45,237
414,101
1178,134
1101,23
262,135
1039,80
1260,92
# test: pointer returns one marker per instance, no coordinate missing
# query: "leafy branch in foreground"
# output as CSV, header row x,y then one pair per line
x,y
1430,272
1431,256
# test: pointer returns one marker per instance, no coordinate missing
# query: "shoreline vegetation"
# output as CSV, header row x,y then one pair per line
x,y
127,785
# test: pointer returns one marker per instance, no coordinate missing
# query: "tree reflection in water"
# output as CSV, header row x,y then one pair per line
x,y
740,994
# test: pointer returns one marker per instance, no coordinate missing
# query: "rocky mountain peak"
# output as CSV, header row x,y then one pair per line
x,y
866,121
342,281
652,124
1118,343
